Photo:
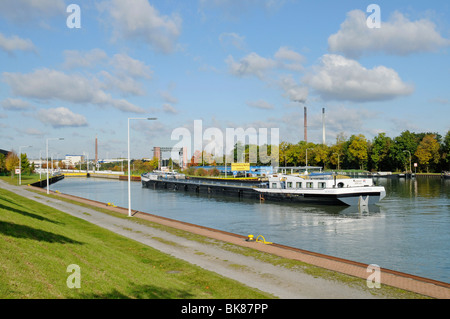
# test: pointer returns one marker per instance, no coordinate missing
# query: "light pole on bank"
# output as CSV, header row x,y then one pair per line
x,y
52,138
129,171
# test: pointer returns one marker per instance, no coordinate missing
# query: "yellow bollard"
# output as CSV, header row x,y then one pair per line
x,y
263,240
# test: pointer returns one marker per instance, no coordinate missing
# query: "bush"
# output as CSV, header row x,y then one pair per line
x,y
214,172
201,172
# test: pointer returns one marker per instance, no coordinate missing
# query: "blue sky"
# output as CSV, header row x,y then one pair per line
x,y
228,63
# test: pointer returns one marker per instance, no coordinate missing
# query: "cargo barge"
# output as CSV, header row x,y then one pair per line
x,y
328,189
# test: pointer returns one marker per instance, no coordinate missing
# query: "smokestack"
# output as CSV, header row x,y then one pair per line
x,y
323,126
306,126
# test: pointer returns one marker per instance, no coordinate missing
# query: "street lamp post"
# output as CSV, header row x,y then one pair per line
x,y
307,159
20,163
129,171
53,138
410,171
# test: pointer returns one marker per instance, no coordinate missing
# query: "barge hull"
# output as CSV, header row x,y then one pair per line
x,y
249,192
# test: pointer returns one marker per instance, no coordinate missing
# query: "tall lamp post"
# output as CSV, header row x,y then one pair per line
x,y
52,138
20,163
129,171
409,160
307,159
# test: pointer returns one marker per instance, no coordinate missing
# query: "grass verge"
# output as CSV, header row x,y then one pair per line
x,y
385,291
39,243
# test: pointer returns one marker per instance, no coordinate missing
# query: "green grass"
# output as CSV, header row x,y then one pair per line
x,y
38,243
385,292
25,179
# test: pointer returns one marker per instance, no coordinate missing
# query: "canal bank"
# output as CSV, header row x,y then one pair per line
x,y
302,286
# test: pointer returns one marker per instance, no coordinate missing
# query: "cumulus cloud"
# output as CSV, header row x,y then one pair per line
x,y
27,11
125,64
47,84
15,43
16,105
397,36
292,90
168,108
339,78
74,58
233,39
294,59
255,65
141,21
260,104
61,117
252,64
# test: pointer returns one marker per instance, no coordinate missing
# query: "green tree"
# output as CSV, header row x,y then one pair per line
x,y
428,151
406,141
445,153
357,150
24,164
379,154
2,163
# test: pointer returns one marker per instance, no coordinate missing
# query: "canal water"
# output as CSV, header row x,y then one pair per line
x,y
409,231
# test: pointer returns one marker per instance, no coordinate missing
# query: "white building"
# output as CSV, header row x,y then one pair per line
x,y
74,159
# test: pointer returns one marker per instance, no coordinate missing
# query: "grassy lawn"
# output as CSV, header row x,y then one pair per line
x,y
25,179
38,243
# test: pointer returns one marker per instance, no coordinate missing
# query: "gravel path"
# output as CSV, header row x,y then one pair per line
x,y
278,281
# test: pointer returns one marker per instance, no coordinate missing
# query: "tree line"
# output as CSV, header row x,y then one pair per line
x,y
430,151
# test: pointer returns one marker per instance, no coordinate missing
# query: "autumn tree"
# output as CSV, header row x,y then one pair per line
x,y
11,162
428,151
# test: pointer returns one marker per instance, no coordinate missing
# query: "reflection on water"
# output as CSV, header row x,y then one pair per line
x,y
408,231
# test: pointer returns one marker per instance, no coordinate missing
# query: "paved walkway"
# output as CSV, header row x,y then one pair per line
x,y
279,281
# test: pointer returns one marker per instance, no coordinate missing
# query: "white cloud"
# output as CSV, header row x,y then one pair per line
x,y
256,65
233,9
124,64
293,90
125,84
27,11
398,36
233,39
260,104
340,78
75,58
141,21
15,43
60,117
252,64
16,105
168,108
47,84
